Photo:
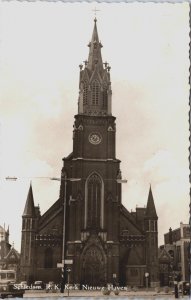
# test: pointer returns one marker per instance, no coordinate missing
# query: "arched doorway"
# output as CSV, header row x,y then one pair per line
x,y
93,267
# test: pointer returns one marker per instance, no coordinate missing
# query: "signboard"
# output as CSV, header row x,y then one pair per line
x,y
68,261
60,265
146,274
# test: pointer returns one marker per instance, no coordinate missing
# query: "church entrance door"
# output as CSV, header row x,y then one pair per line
x,y
93,273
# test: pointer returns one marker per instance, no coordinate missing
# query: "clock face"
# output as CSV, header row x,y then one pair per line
x,y
95,138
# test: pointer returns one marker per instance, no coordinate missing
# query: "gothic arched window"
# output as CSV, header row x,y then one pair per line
x,y
85,93
147,225
94,201
152,224
104,96
95,92
28,221
48,258
24,224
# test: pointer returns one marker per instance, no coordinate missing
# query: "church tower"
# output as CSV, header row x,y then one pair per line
x,y
151,228
92,211
103,242
29,223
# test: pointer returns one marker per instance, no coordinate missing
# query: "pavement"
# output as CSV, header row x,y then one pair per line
x,y
139,294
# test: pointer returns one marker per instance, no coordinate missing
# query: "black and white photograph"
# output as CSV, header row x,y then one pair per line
x,y
94,149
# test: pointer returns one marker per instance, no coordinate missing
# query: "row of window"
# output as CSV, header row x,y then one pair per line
x,y
28,223
151,225
95,94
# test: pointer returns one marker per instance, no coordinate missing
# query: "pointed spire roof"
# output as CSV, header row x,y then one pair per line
x,y
95,58
150,209
29,206
2,229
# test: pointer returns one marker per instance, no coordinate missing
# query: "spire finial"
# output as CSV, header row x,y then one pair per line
x,y
95,11
95,50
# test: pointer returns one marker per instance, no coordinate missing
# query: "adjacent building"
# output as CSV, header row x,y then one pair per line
x,y
4,244
9,256
174,255
103,241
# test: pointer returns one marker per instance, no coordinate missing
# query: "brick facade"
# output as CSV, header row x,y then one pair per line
x,y
104,240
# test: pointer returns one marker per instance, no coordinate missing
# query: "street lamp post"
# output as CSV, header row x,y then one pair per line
x,y
64,179
68,270
176,288
64,232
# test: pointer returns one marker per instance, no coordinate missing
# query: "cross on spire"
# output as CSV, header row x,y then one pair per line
x,y
95,11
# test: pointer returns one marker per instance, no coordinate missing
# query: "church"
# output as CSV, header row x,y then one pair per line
x,y
88,229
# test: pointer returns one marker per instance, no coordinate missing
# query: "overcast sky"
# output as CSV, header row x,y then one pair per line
x,y
147,46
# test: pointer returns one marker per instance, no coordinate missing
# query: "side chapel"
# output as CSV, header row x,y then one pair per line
x,y
105,241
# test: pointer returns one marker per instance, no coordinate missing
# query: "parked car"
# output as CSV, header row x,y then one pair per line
x,y
185,287
8,290
39,285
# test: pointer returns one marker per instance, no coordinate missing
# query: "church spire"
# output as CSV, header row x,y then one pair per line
x,y
95,86
150,209
95,58
29,206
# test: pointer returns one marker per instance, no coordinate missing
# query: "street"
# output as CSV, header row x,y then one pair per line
x,y
140,294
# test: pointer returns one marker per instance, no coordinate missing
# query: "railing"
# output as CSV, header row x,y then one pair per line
x,y
132,238
48,239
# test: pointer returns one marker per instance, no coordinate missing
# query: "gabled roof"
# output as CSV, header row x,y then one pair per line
x,y
150,209
12,254
164,256
29,206
50,214
130,218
